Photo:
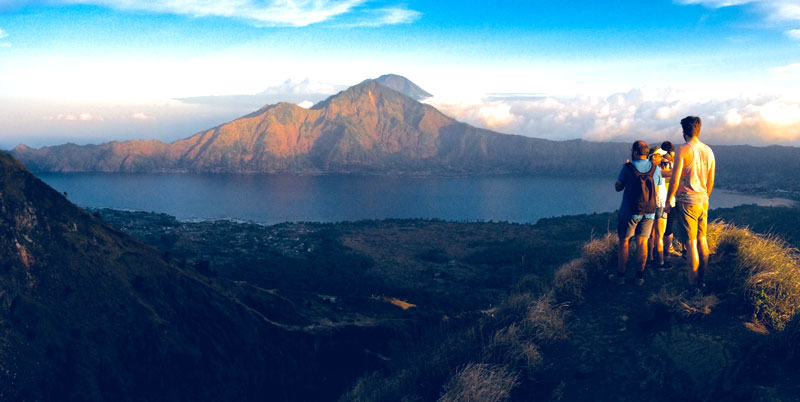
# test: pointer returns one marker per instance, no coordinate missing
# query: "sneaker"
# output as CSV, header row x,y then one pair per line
x,y
614,278
639,281
666,266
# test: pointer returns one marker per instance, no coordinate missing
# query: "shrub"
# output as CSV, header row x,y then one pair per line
x,y
546,321
765,267
480,383
570,280
677,303
511,347
600,253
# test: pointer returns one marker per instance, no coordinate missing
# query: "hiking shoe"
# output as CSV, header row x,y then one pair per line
x,y
639,281
666,266
614,278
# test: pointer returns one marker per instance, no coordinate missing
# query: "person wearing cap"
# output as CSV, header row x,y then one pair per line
x,y
666,171
657,236
630,221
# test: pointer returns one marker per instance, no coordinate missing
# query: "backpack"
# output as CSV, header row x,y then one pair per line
x,y
643,191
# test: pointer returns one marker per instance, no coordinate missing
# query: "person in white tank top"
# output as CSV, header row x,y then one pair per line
x,y
691,184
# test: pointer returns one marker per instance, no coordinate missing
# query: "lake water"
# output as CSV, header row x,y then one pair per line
x,y
273,199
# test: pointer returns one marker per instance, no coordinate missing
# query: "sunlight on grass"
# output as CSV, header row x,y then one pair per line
x,y
677,303
765,267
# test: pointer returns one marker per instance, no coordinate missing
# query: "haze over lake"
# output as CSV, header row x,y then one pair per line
x,y
271,199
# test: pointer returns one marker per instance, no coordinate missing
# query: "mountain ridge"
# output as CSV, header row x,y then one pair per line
x,y
367,128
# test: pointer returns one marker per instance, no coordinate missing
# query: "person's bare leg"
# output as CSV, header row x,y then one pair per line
x,y
622,255
661,226
703,260
641,252
667,243
694,260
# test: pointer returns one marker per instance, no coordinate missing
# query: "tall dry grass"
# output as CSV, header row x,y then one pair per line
x,y
480,383
499,349
600,253
766,269
687,307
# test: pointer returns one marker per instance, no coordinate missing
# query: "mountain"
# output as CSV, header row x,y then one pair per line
x,y
367,128
89,314
403,85
379,127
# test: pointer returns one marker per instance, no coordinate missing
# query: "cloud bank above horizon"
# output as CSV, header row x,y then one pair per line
x,y
102,70
299,13
646,114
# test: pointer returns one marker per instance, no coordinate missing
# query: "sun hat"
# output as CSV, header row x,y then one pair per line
x,y
657,151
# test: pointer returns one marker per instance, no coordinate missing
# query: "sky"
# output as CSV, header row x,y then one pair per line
x,y
90,71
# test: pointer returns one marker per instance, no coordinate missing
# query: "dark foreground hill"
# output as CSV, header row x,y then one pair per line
x,y
89,314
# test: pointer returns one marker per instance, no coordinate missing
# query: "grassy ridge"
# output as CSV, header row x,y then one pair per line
x,y
509,352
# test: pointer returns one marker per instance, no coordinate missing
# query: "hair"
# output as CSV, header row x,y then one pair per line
x,y
691,126
639,148
667,146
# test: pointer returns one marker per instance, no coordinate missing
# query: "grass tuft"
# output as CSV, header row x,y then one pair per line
x,y
546,321
480,383
570,280
687,307
600,253
511,347
765,267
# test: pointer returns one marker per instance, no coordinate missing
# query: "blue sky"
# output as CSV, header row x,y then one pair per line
x,y
98,70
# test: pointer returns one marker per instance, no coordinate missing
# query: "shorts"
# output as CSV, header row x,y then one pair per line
x,y
660,214
670,221
628,227
691,220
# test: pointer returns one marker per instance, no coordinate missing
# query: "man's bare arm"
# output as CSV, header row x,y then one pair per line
x,y
711,176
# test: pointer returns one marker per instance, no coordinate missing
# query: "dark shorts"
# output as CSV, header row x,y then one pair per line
x,y
670,222
692,220
641,227
660,214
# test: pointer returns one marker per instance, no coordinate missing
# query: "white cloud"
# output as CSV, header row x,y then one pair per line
x,y
305,104
716,3
262,12
385,16
3,35
306,86
651,115
140,116
787,72
774,10
86,116
793,34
